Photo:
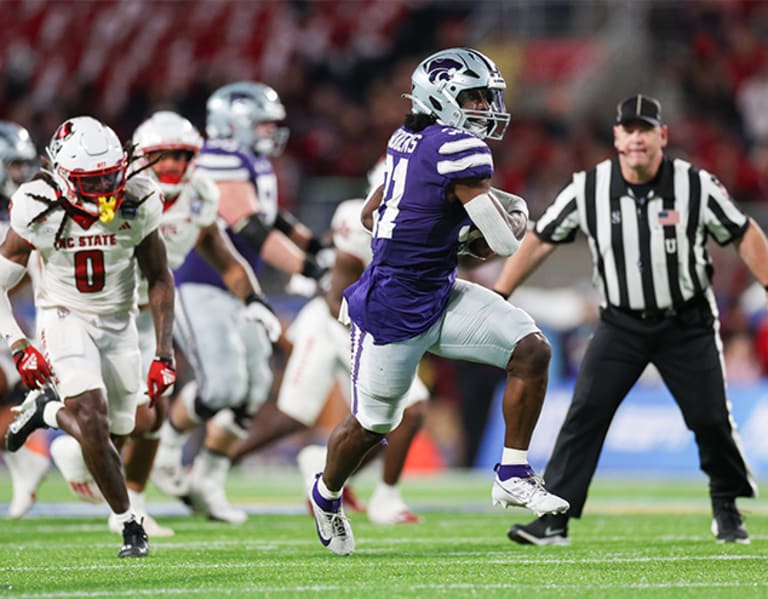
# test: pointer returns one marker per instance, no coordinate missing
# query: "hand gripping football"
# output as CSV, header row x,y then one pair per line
x,y
472,243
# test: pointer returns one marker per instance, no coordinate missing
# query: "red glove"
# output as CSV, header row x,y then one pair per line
x,y
32,366
162,375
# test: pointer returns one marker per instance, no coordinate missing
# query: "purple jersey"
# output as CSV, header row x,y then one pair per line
x,y
404,290
223,161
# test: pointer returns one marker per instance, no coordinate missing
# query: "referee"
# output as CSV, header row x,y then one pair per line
x,y
647,218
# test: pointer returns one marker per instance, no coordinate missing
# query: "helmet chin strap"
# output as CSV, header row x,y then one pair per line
x,y
107,205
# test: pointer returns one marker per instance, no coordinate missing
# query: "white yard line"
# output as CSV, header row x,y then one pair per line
x,y
362,587
480,558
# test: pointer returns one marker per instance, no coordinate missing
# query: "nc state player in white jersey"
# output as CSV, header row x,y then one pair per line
x,y
167,145
92,225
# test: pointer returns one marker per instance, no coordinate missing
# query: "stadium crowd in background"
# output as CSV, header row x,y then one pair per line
x,y
335,62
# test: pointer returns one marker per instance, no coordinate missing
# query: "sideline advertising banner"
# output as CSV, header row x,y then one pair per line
x,y
647,435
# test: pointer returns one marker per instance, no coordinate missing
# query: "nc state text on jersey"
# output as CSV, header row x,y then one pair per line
x,y
87,241
402,141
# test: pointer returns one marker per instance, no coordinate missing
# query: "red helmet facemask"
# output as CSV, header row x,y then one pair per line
x,y
104,188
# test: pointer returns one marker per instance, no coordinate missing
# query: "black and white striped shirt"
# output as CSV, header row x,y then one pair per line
x,y
648,253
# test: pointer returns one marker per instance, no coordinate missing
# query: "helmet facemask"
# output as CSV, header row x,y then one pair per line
x,y
491,123
168,144
170,167
269,139
170,164
100,192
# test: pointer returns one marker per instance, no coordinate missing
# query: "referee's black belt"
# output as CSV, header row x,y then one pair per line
x,y
663,313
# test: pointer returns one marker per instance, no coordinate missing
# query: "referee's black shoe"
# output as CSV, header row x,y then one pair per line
x,y
30,416
551,529
727,525
135,540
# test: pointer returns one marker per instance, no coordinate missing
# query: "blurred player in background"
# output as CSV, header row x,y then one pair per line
x,y
92,224
231,360
18,155
409,301
319,359
167,145
29,464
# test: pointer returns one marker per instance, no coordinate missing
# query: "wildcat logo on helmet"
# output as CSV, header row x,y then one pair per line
x,y
238,95
442,69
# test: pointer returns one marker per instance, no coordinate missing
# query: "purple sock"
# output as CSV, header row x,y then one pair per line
x,y
327,505
506,471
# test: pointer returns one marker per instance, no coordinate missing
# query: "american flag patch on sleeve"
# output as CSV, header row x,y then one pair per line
x,y
669,217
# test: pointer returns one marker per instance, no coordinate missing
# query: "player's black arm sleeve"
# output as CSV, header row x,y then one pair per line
x,y
252,230
285,222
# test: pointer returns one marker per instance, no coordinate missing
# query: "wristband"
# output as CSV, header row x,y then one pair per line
x,y
285,222
24,345
314,245
167,361
311,268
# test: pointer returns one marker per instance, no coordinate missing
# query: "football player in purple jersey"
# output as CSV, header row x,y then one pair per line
x,y
408,300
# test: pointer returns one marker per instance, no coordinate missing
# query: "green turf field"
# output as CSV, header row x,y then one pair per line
x,y
647,538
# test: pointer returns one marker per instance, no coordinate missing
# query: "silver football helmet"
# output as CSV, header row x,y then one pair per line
x,y
87,158
170,134
236,112
439,81
18,155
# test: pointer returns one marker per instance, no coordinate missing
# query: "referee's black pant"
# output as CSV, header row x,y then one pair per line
x,y
684,349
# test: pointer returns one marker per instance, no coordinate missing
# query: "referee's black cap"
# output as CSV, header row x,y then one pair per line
x,y
639,108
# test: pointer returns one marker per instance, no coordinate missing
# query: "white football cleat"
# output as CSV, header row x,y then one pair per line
x,y
169,474
386,506
333,528
27,470
527,491
209,498
207,488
